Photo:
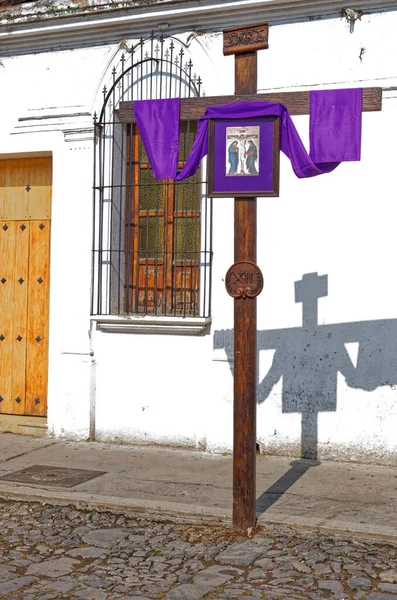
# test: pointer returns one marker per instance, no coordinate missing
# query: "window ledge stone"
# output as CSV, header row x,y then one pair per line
x,y
149,324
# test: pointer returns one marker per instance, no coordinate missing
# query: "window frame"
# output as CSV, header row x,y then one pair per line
x,y
166,296
155,66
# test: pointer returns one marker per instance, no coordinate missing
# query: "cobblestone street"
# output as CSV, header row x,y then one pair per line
x,y
51,553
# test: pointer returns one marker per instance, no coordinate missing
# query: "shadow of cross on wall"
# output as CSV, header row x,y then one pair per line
x,y
308,359
309,362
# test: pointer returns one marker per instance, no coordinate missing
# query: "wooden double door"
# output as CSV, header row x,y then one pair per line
x,y
25,219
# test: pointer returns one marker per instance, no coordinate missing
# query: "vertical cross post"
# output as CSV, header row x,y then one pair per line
x,y
244,43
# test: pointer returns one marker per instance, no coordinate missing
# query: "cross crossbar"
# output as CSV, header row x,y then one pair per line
x,y
297,103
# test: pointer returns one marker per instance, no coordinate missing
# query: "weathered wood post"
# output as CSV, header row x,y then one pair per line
x,y
244,43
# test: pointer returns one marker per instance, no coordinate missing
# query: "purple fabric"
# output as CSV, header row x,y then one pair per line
x,y
335,125
335,132
290,142
158,125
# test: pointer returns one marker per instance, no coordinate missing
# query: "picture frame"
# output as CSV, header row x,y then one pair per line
x,y
243,157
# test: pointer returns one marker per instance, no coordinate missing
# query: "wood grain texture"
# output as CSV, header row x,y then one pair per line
x,y
297,103
25,188
245,364
7,268
37,326
16,198
2,191
245,67
40,182
24,258
20,306
249,38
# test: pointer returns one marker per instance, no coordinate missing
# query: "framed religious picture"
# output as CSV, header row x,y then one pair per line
x,y
243,157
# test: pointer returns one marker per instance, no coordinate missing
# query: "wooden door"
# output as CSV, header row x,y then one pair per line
x,y
25,218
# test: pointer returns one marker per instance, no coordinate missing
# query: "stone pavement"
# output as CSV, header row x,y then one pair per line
x,y
105,522
58,553
342,497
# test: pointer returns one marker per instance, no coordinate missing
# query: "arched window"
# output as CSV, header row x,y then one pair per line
x,y
152,239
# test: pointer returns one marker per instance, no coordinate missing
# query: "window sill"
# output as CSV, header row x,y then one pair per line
x,y
149,324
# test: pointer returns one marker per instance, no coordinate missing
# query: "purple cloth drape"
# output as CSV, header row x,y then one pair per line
x,y
335,125
335,132
290,142
158,125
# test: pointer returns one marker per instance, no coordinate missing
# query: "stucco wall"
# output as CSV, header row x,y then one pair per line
x,y
179,389
339,225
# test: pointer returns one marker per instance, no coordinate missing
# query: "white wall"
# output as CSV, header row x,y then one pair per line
x,y
341,224
48,108
178,389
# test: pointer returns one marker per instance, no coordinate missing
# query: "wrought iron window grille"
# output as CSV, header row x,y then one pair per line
x,y
152,249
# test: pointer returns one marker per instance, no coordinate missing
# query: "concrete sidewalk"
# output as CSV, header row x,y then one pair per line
x,y
338,496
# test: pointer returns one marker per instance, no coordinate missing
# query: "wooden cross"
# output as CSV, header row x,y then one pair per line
x,y
297,103
244,44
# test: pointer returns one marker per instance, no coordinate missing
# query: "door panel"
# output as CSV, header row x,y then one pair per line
x,y
40,189
2,192
37,330
7,269
16,196
25,207
20,304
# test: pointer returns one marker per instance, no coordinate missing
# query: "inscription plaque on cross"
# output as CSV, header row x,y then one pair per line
x,y
244,279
